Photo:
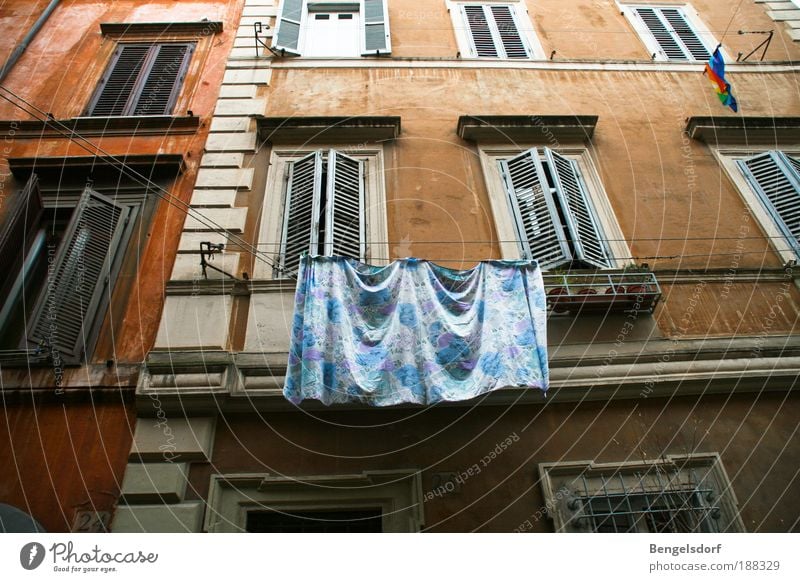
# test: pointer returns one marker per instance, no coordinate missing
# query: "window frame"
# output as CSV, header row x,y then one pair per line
x,y
522,20
727,156
490,155
691,16
559,499
137,89
270,231
307,8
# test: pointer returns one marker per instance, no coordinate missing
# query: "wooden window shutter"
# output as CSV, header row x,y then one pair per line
x,y
534,210
81,274
479,31
672,32
289,22
344,212
113,95
586,233
301,215
21,220
510,39
775,178
377,38
163,80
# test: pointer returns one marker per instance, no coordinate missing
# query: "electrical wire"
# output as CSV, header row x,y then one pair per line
x,y
139,178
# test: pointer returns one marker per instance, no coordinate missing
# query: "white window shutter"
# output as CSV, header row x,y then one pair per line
x,y
586,233
301,214
344,212
80,276
480,32
536,219
672,32
288,27
376,38
507,30
775,178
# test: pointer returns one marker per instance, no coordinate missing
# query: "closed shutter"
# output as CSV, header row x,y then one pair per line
x,y
287,33
494,32
775,178
119,81
163,81
142,80
301,214
536,218
80,275
377,38
672,32
21,220
586,234
344,223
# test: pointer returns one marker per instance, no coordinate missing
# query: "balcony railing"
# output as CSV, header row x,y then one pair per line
x,y
602,292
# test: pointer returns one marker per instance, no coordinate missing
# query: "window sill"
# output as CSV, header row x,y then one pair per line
x,y
102,126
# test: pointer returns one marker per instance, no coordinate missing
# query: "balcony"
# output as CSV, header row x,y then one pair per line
x,y
602,292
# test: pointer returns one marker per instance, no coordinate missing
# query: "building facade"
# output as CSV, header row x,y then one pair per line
x,y
584,135
104,114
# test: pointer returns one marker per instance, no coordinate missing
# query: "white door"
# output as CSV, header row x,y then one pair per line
x,y
332,34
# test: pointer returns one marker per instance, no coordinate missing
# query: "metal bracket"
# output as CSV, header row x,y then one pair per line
x,y
207,252
765,43
259,27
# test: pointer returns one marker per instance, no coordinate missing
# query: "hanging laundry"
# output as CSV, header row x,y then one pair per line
x,y
414,331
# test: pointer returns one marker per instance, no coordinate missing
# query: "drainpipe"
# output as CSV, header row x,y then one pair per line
x,y
20,48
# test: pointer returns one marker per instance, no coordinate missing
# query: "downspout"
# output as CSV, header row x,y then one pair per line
x,y
20,48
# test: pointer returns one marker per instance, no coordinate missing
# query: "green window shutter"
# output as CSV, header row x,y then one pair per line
x,y
119,82
344,212
585,231
301,215
375,23
163,80
289,22
21,220
534,210
775,178
79,277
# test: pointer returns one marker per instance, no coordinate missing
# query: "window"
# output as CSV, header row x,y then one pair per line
x,y
332,521
553,215
325,29
679,494
331,203
142,79
671,32
494,30
769,182
62,255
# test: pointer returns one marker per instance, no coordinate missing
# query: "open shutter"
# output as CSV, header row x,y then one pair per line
x,y
80,275
344,214
119,81
507,30
287,32
775,179
301,214
586,234
673,33
534,209
21,220
479,31
376,28
163,80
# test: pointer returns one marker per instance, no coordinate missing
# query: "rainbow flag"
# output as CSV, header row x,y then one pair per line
x,y
715,69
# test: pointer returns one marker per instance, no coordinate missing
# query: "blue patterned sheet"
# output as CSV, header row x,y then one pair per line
x,y
415,332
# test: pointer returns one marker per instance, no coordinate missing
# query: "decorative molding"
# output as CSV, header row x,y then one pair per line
x,y
526,128
744,130
123,29
101,126
327,129
152,165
